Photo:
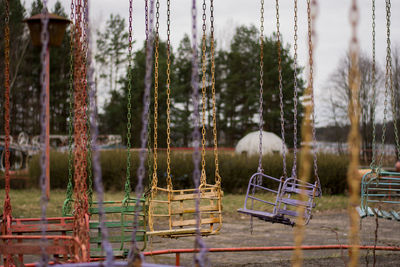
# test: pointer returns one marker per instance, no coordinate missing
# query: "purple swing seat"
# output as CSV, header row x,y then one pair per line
x,y
282,209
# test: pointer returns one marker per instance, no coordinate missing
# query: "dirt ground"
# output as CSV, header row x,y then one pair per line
x,y
326,228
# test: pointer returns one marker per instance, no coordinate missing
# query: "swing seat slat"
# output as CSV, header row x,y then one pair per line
x,y
395,215
120,225
179,232
296,202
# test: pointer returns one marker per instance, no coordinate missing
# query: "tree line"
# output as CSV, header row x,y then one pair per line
x,y
25,68
236,73
237,87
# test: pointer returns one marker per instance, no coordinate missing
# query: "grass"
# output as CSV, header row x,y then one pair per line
x,y
25,203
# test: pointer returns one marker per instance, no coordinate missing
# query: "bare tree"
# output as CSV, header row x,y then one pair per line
x,y
338,94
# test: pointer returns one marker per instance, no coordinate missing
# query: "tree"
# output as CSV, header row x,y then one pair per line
x,y
338,96
181,109
241,90
116,106
18,46
25,74
112,45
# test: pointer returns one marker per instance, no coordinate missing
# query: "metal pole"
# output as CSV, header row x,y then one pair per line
x,y
47,139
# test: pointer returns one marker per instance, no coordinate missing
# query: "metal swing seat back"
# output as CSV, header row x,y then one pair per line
x,y
380,195
275,200
175,213
23,237
119,221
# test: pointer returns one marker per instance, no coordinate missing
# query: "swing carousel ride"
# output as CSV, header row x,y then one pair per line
x,y
115,233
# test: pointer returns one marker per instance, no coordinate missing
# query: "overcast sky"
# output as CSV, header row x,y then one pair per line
x,y
333,30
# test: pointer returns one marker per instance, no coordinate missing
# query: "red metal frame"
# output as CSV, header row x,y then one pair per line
x,y
247,249
15,240
275,248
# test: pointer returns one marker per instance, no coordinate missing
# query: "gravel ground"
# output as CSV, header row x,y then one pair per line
x,y
326,228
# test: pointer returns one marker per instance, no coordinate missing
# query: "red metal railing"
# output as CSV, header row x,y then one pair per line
x,y
177,252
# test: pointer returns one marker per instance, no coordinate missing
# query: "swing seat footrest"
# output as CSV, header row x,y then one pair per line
x,y
267,216
361,212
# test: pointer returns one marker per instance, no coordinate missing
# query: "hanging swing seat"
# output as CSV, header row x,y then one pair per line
x,y
119,222
66,246
380,195
273,199
179,212
24,238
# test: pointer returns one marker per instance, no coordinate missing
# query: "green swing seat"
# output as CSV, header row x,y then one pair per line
x,y
120,217
380,195
119,221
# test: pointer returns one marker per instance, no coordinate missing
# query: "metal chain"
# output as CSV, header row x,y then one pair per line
x,y
85,127
385,104
169,180
129,108
260,109
373,163
98,184
295,94
214,111
134,252
7,212
389,76
80,136
278,34
261,99
146,18
89,191
67,207
203,178
314,134
156,54
149,158
200,259
353,175
306,133
43,156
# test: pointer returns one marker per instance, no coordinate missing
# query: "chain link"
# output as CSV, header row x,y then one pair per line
x,y
203,178
149,158
80,123
7,203
156,55
261,99
43,126
67,207
353,176
89,193
214,111
7,211
389,76
134,252
146,18
200,259
169,180
307,135
373,77
260,110
278,34
129,108
295,94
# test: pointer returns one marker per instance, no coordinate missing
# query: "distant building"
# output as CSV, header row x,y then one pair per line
x,y
249,145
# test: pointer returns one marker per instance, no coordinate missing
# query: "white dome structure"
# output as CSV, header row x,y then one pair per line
x,y
271,143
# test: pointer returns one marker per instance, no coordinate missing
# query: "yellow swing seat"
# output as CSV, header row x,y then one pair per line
x,y
176,217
